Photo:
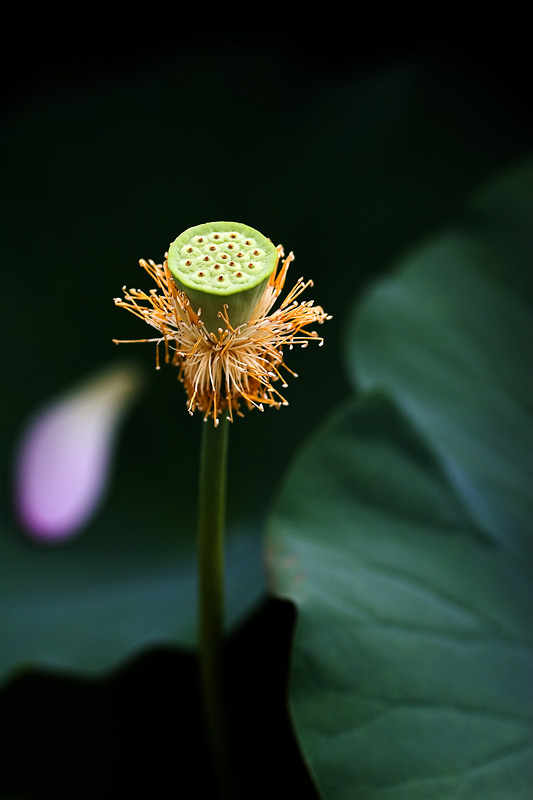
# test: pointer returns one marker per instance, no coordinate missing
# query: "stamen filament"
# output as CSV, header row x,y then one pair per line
x,y
237,366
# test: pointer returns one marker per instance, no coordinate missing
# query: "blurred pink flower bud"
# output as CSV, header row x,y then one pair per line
x,y
64,456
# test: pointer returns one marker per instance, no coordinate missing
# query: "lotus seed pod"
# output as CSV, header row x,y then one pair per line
x,y
222,263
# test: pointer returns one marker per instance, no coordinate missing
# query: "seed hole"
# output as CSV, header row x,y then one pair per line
x,y
232,263
233,236
224,256
201,274
256,252
188,263
230,246
189,249
206,258
248,242
200,239
217,266
216,236
240,255
212,247
220,278
238,274
250,265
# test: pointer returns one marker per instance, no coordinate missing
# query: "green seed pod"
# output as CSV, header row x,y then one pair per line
x,y
222,263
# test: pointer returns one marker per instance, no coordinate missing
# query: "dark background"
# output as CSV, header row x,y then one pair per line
x,y
349,146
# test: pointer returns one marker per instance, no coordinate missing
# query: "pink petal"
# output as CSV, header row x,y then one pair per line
x,y
64,457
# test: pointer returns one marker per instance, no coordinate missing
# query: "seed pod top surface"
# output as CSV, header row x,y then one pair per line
x,y
228,261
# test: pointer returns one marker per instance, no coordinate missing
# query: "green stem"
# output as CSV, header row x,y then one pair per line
x,y
211,525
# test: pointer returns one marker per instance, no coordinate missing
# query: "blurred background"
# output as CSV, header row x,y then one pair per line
x,y
347,146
